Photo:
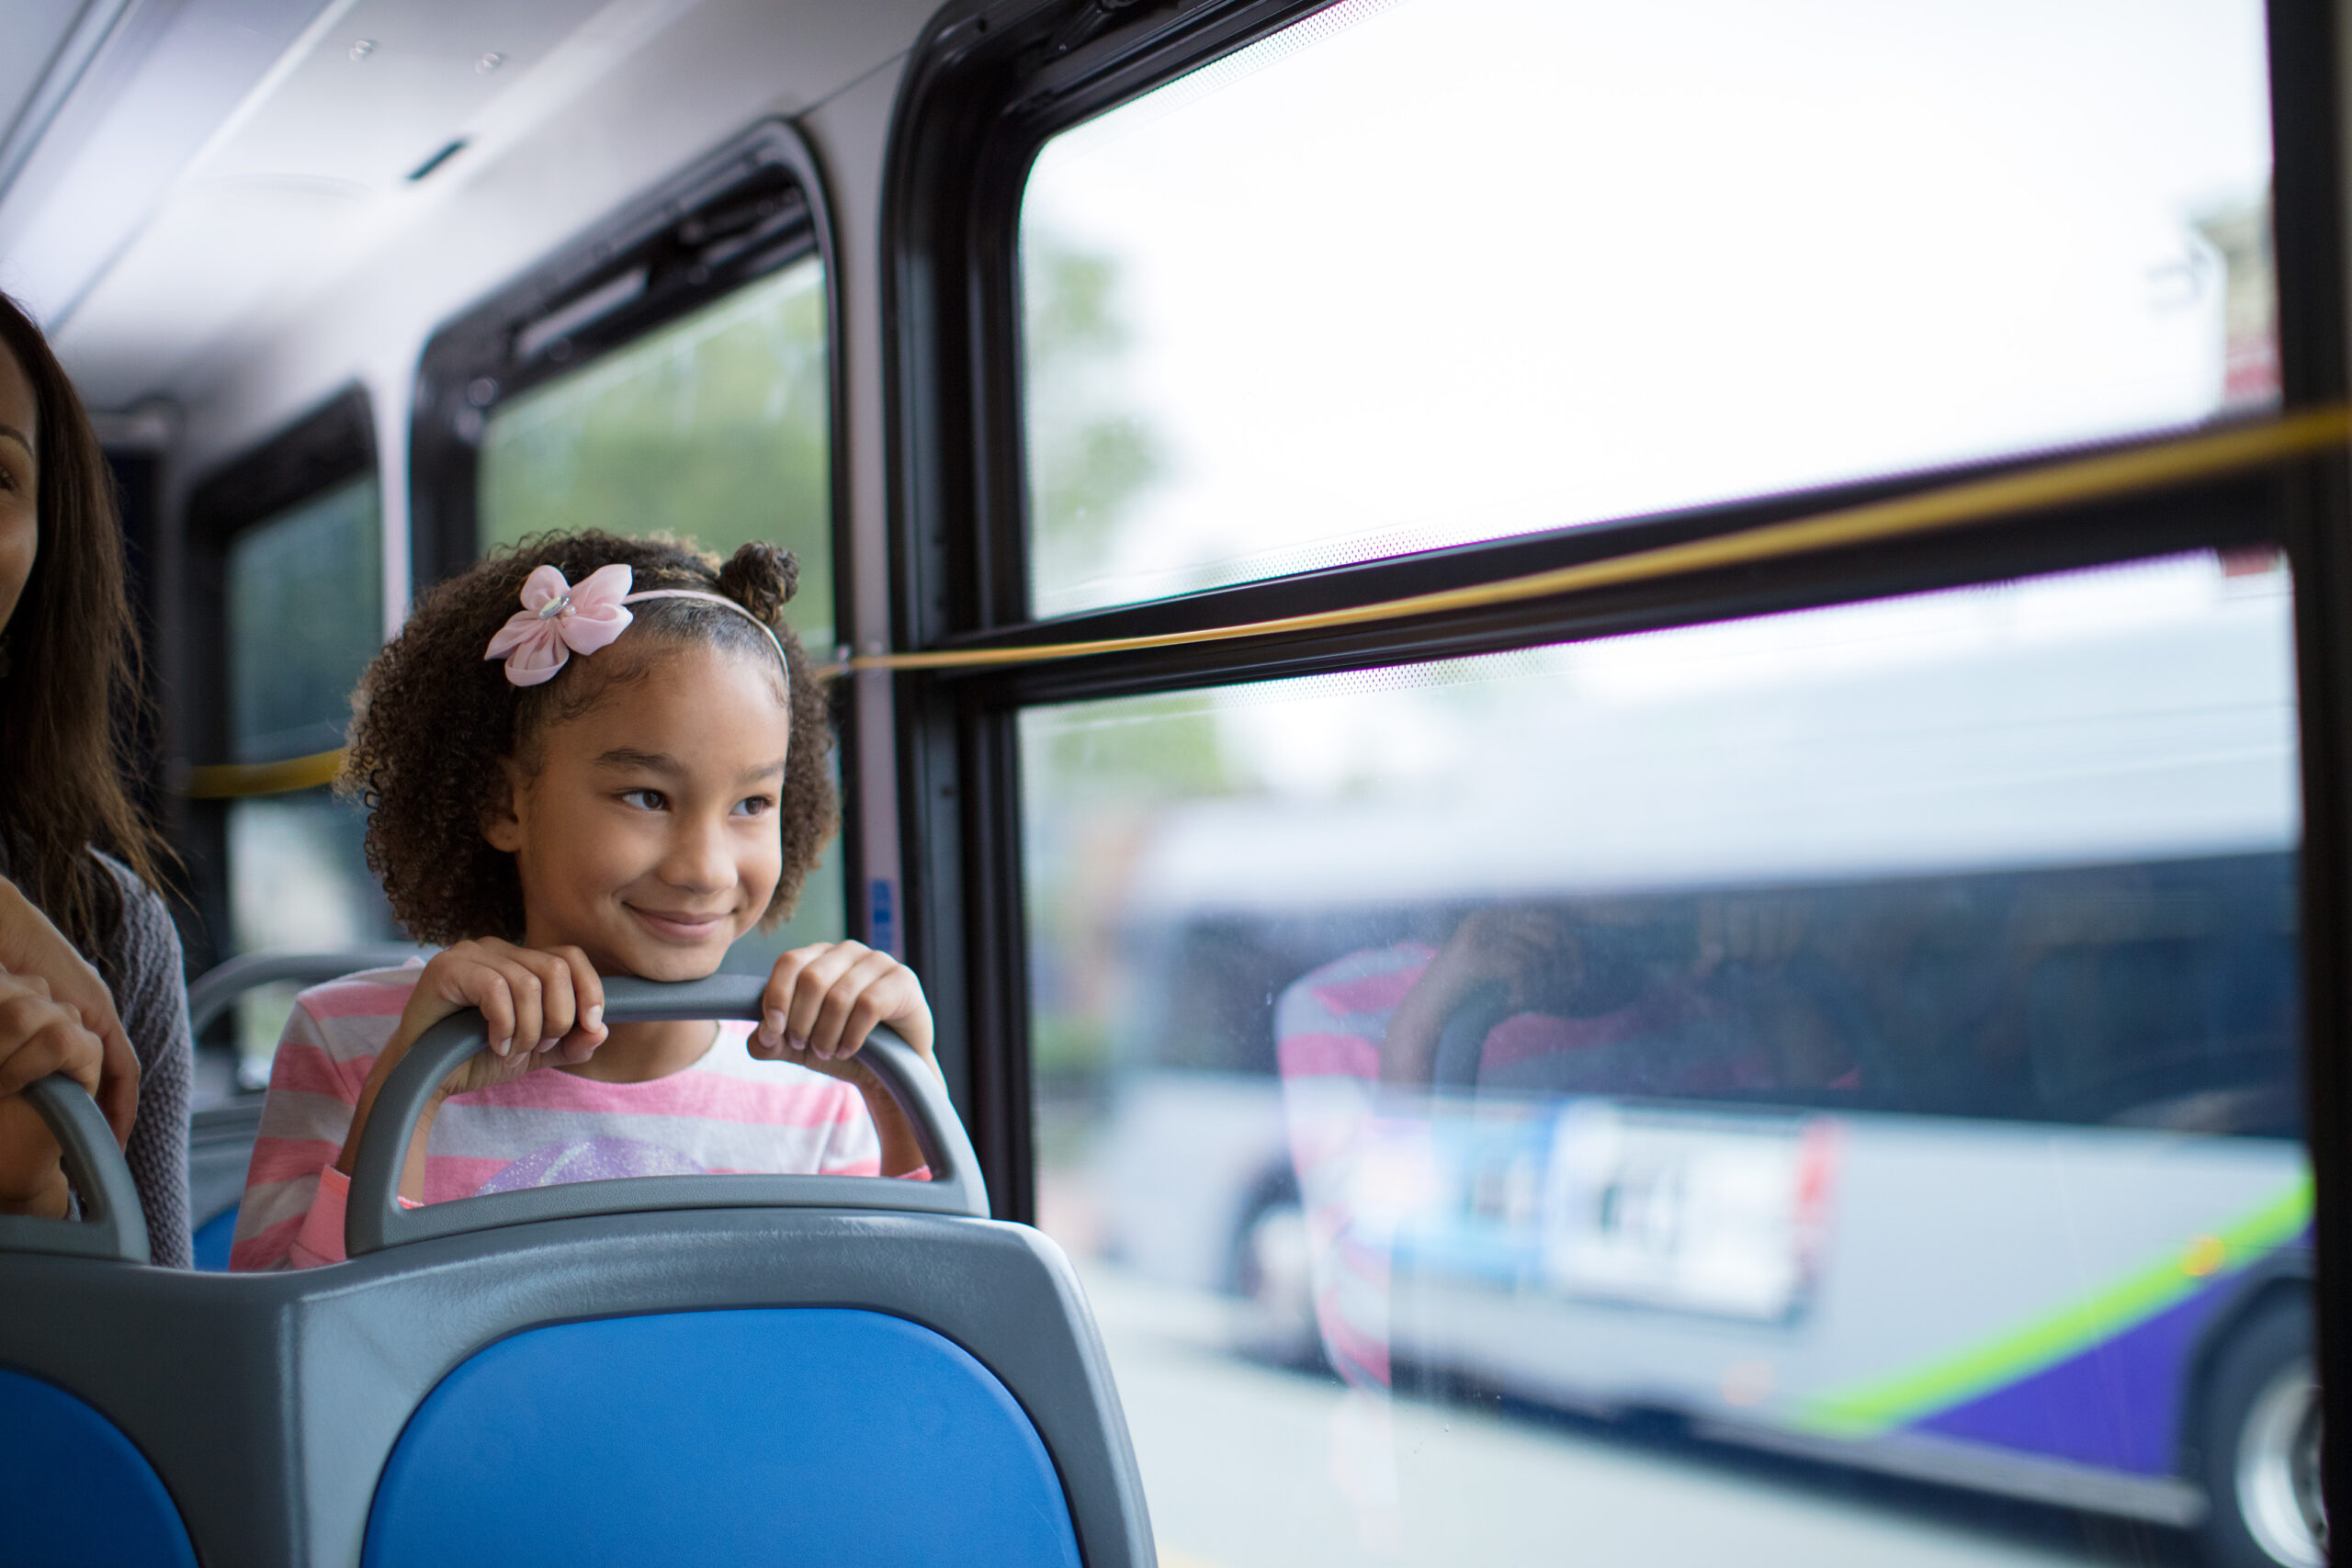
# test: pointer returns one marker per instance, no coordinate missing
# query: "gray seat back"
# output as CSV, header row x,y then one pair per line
x,y
271,1406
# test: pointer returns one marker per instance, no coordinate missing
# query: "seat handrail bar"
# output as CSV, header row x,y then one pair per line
x,y
374,1220
112,1225
209,996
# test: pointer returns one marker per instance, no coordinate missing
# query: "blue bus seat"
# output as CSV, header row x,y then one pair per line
x,y
817,1435
74,1489
211,1239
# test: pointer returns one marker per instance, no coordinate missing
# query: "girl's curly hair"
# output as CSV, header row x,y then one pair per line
x,y
433,718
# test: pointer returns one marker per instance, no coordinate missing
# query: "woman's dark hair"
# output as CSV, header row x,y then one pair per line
x,y
433,719
71,698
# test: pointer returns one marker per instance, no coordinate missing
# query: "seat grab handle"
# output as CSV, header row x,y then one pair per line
x,y
374,1220
112,1225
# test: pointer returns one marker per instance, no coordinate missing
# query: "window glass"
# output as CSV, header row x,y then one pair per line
x,y
1413,273
299,881
1503,1098
715,428
305,614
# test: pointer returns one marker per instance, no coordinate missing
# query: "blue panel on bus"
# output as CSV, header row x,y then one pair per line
x,y
74,1490
775,1435
2117,1403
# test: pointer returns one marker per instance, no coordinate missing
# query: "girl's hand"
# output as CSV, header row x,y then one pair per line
x,y
541,1009
39,1036
823,1000
822,1003
31,947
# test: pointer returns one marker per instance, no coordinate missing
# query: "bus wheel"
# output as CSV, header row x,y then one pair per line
x,y
1274,1273
2260,1446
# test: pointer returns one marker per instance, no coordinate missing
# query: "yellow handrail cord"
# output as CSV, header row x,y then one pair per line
x,y
225,780
2066,482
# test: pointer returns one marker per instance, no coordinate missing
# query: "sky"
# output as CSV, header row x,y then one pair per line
x,y
1418,272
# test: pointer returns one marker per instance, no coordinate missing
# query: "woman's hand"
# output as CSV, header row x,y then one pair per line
x,y
32,947
39,1036
32,1172
541,1009
822,1003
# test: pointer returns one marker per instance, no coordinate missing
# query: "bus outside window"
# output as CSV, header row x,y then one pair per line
x,y
714,427
1866,1033
1490,1095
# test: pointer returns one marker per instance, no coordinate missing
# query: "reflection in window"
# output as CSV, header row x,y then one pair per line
x,y
1410,273
306,596
1869,1033
715,428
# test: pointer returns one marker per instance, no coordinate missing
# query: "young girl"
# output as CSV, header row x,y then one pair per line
x,y
587,756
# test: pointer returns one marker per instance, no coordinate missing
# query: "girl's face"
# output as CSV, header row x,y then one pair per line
x,y
648,835
19,482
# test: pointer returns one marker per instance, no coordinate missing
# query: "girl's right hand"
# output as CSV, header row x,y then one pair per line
x,y
541,1009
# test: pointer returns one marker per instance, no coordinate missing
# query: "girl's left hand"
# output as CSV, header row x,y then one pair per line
x,y
823,1000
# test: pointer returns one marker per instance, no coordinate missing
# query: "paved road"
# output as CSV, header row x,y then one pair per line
x,y
1251,1468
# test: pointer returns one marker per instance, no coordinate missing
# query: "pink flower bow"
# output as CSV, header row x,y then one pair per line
x,y
558,620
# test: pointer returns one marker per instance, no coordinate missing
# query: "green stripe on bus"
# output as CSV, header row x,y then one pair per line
x,y
1893,1402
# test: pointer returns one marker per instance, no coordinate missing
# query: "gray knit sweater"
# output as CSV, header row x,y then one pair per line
x,y
142,968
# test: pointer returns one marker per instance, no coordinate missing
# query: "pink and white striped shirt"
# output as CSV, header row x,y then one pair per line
x,y
728,1112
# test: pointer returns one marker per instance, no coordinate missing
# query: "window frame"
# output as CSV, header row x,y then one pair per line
x,y
329,447
654,231
985,88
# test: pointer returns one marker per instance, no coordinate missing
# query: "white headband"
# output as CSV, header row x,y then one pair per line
x,y
558,620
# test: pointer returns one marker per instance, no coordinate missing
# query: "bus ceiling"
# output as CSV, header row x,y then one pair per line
x,y
176,177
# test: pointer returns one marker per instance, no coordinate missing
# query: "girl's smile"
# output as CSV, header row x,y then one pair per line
x,y
645,830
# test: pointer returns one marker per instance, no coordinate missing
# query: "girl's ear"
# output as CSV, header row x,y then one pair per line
x,y
502,825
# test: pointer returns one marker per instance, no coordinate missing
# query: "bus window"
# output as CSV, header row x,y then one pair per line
x,y
714,427
306,595
1866,1033
304,614
1407,276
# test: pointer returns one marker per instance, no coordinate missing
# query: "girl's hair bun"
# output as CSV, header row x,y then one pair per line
x,y
761,577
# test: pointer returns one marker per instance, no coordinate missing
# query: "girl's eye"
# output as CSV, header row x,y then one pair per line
x,y
646,800
755,805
